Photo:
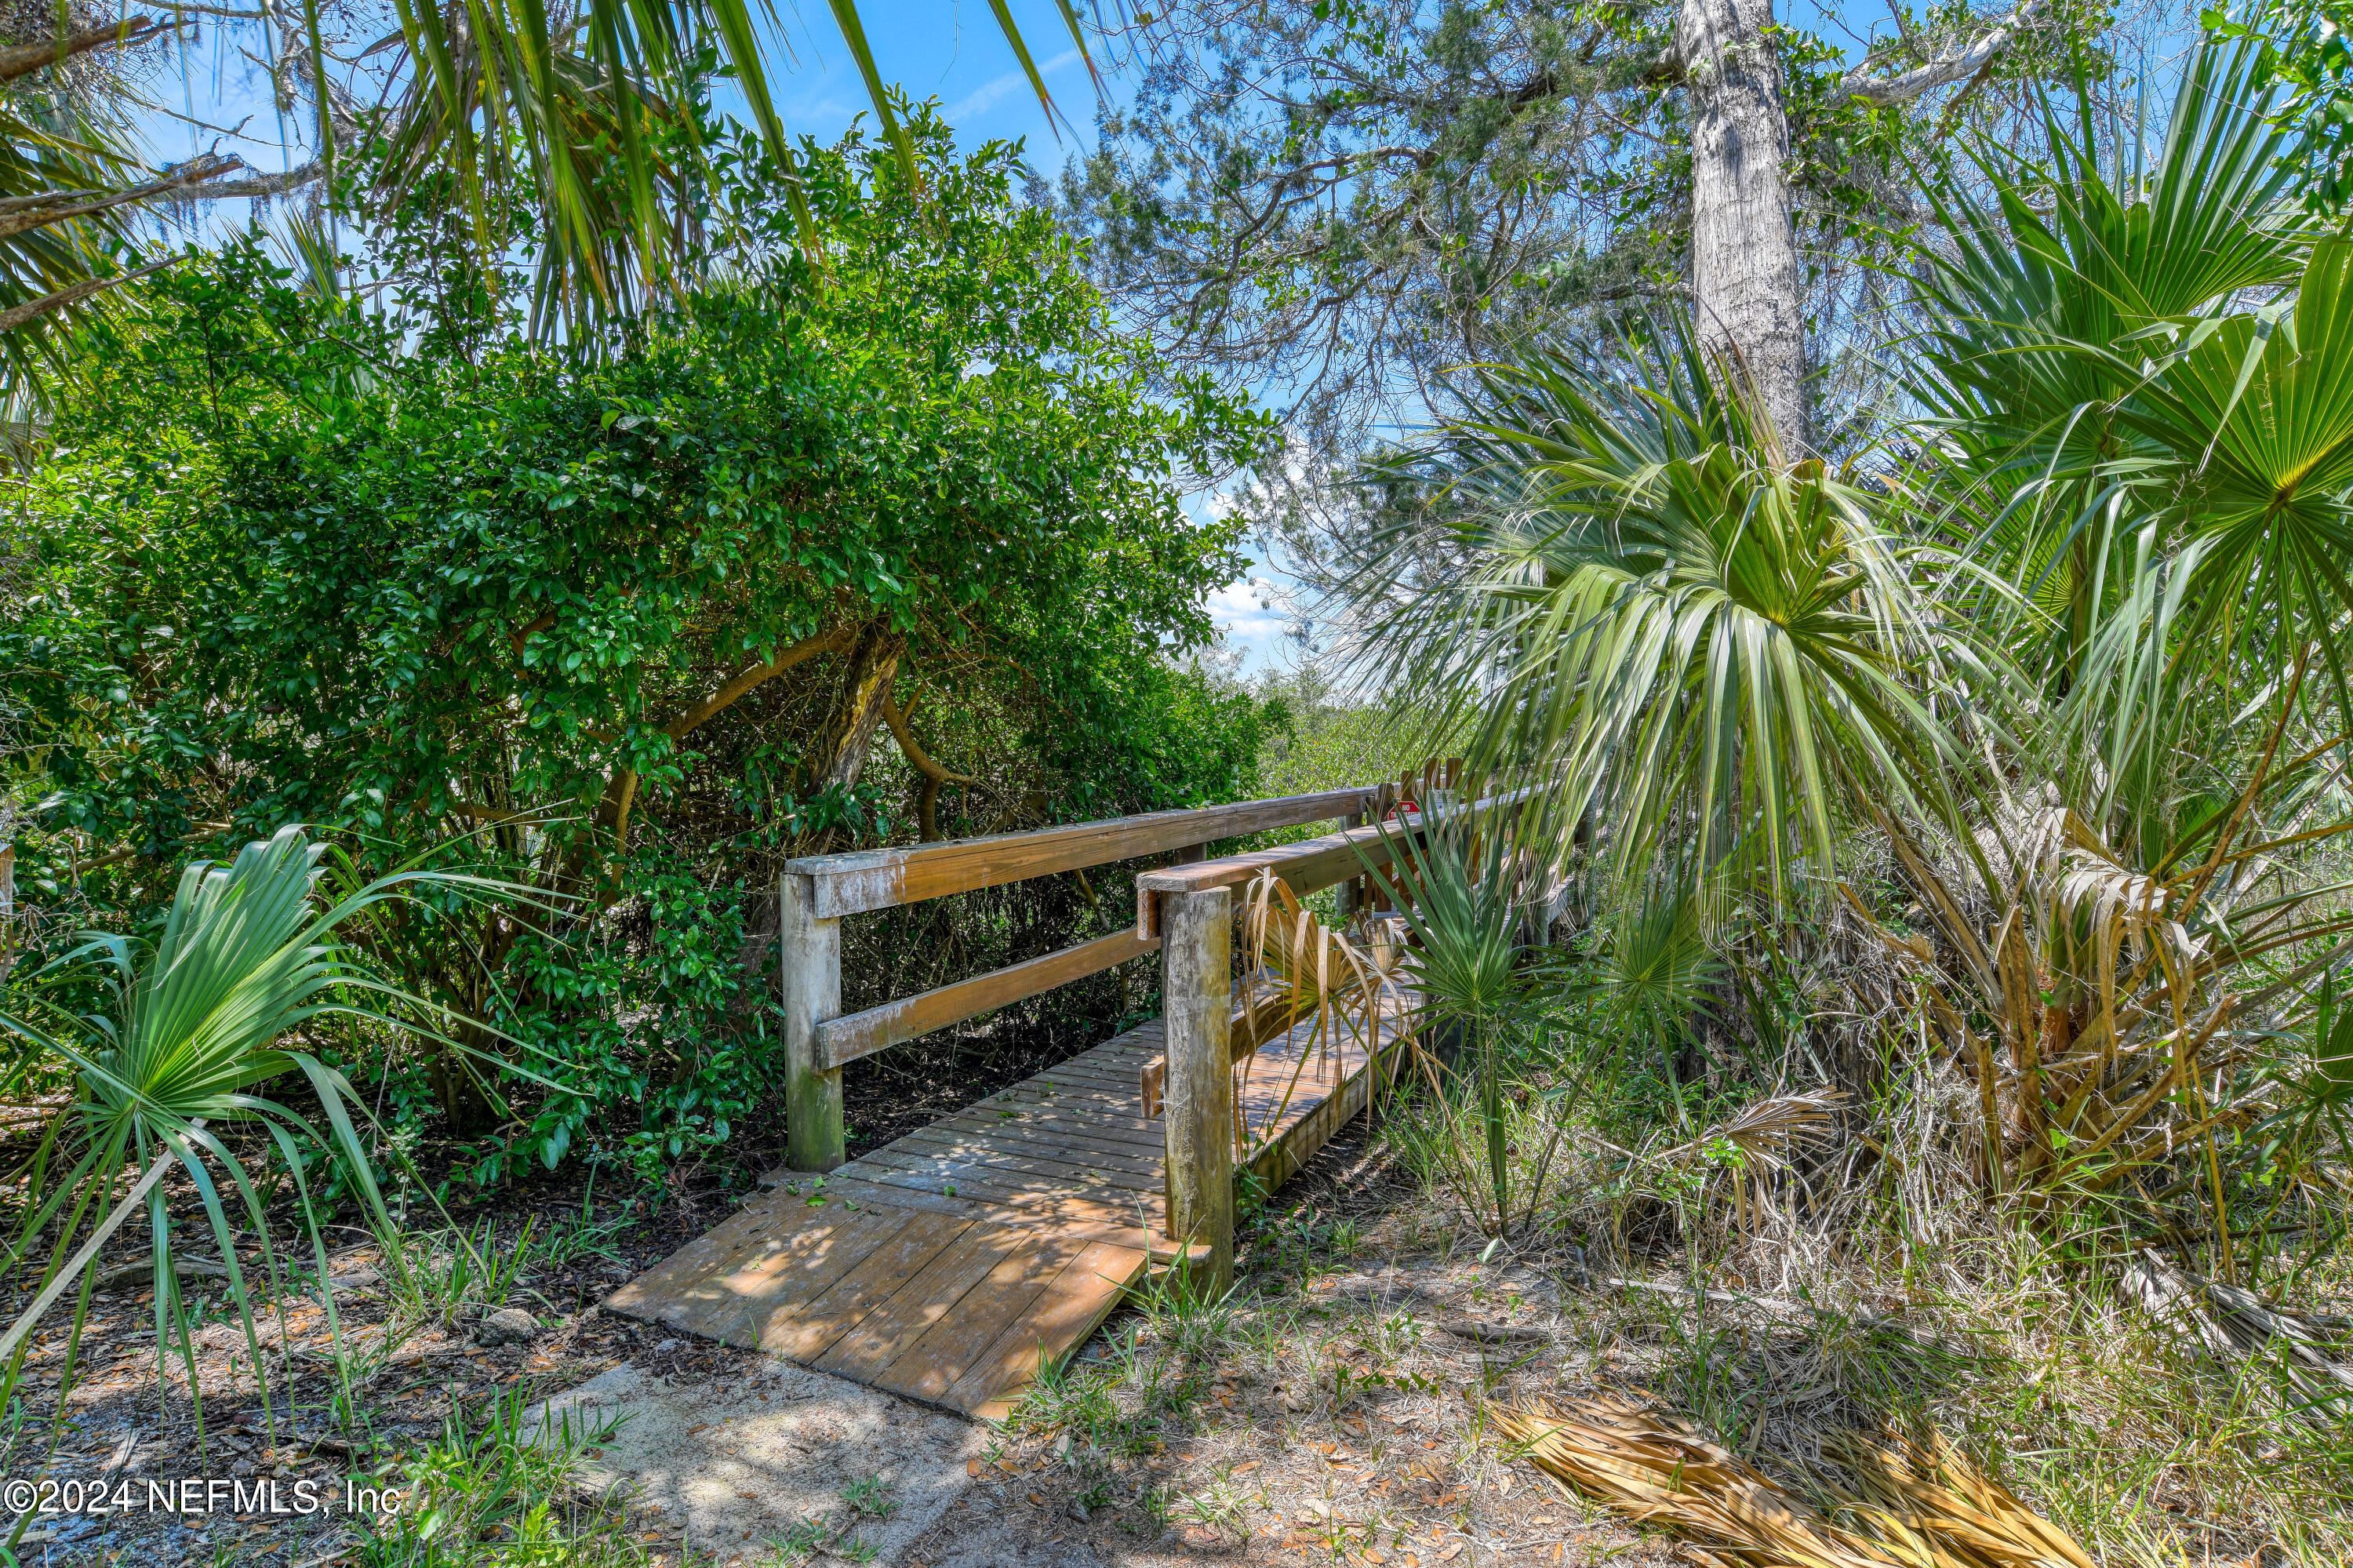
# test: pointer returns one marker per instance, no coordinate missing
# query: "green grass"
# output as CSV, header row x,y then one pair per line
x,y
499,1494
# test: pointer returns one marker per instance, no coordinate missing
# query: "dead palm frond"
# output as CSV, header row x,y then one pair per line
x,y
1757,1134
1749,1145
1927,1500
1918,1506
2115,983
1296,970
1658,1472
2230,1324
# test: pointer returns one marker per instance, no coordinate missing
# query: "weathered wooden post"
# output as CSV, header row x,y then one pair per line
x,y
1351,895
1197,989
809,983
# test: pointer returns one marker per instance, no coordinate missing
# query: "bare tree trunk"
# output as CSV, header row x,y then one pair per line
x,y
1746,286
836,753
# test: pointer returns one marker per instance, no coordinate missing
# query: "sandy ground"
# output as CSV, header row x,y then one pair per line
x,y
1265,1469
737,1462
1258,1450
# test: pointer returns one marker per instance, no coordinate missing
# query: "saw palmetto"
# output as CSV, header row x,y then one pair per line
x,y
186,1032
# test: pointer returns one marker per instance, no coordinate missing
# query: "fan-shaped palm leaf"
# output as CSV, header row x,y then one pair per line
x,y
1629,586
2035,309
2254,415
194,1027
1656,970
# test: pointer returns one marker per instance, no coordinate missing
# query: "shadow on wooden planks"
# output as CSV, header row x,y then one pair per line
x,y
950,1264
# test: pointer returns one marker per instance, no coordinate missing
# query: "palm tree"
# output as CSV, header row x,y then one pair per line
x,y
1615,575
2138,416
2114,386
578,121
187,1033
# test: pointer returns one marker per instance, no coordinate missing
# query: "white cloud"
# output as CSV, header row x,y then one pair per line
x,y
1241,611
997,90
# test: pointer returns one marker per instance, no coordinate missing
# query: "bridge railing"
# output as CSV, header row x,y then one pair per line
x,y
1190,908
1184,911
818,892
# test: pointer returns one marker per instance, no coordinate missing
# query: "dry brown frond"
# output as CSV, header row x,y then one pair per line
x,y
2230,1324
1761,1131
1296,970
2103,1004
1933,1499
1920,1507
1655,1469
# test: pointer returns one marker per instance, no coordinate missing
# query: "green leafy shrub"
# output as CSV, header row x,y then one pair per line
x,y
620,614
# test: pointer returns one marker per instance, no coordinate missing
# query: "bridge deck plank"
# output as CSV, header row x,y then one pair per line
x,y
945,1264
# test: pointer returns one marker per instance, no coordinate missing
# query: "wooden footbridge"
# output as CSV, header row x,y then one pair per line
x,y
951,1265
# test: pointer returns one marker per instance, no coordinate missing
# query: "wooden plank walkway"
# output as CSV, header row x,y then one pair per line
x,y
948,1265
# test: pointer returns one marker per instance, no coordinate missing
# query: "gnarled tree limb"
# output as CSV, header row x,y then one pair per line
x,y
727,696
263,185
927,800
1944,70
621,789
23,59
32,310
837,753
185,179
922,759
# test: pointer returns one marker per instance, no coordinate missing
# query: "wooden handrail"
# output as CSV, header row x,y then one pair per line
x,y
1304,867
860,881
1307,865
817,891
840,1040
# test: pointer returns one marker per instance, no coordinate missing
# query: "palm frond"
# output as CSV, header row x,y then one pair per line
x,y
2043,317
194,1023
1918,1504
1617,579
597,118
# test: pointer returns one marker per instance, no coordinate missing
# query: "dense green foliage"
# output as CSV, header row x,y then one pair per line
x,y
1930,881
2047,707
405,576
2306,50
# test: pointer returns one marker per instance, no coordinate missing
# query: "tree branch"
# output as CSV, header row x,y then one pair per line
x,y
1945,70
116,857
188,175
33,310
727,696
531,629
915,754
490,817
23,59
263,185
927,799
